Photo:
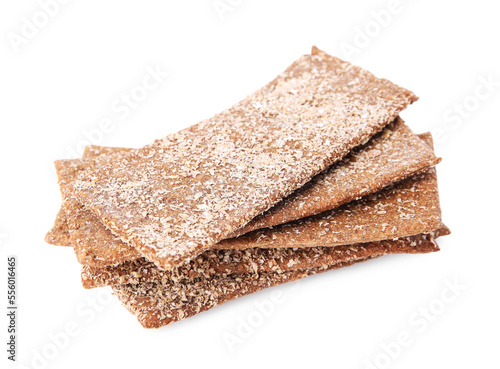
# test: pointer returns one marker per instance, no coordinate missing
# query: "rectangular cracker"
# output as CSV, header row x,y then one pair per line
x,y
157,305
404,209
177,197
217,262
407,208
390,156
96,246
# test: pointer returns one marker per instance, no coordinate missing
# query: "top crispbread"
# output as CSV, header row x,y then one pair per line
x,y
177,197
388,157
96,246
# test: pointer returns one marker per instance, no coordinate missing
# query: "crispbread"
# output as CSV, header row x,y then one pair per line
x,y
218,262
96,246
407,208
169,300
390,156
177,197
157,305
403,209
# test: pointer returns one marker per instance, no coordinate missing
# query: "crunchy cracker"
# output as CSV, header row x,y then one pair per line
x,y
97,246
157,305
175,198
388,157
407,208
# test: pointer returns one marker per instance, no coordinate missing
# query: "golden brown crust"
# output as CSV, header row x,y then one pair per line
x,y
177,197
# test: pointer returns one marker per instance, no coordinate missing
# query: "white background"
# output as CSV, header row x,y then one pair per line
x,y
61,82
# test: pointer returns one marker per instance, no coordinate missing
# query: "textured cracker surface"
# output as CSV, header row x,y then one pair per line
x,y
157,305
403,209
59,234
86,233
407,208
177,197
97,246
390,156
218,262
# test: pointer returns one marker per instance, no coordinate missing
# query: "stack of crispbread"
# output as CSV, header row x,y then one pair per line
x,y
314,171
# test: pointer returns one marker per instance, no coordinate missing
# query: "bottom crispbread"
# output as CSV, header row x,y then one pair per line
x,y
255,260
166,300
157,305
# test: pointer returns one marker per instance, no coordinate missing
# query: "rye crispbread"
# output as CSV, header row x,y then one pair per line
x,y
179,196
406,208
96,246
169,299
157,305
388,157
